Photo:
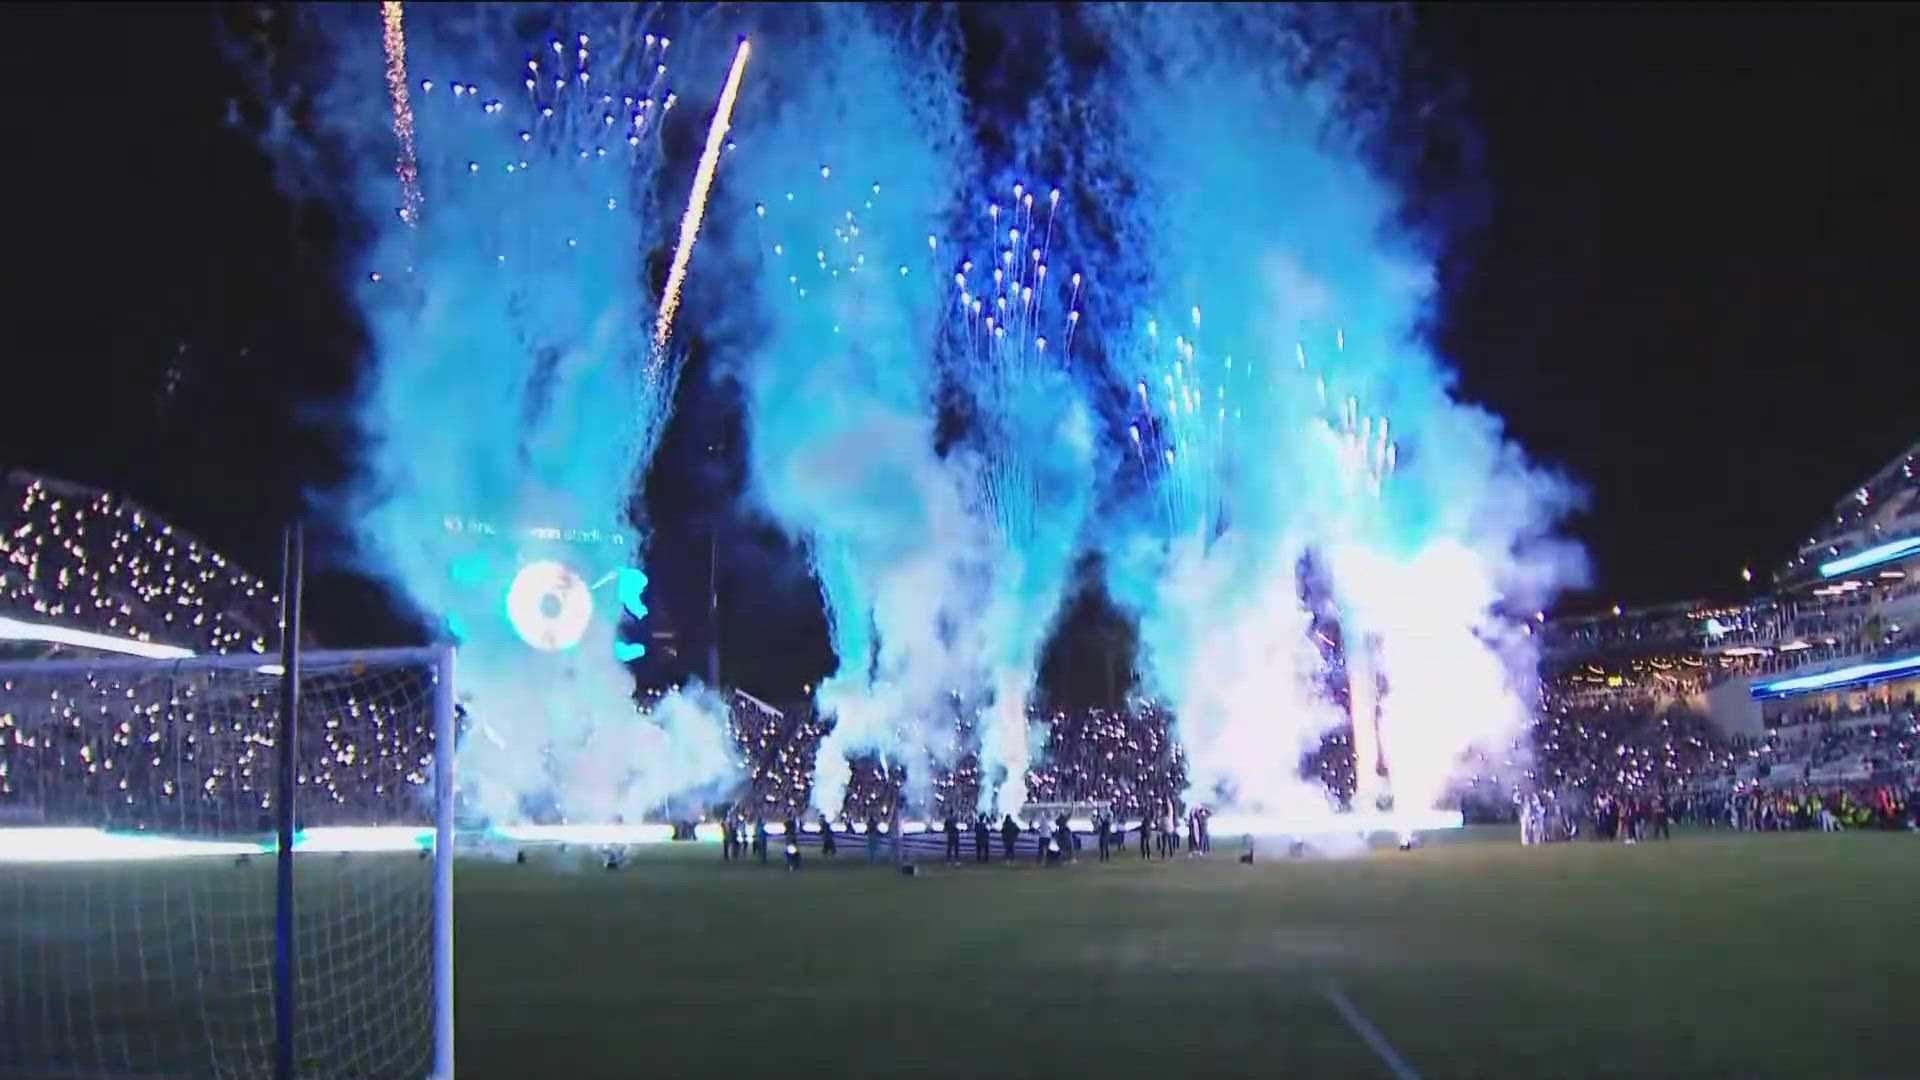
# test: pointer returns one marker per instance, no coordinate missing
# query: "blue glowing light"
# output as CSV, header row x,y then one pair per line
x,y
468,570
1855,675
632,587
1873,556
549,606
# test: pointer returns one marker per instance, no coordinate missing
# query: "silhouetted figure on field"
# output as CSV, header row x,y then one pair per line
x,y
760,840
1104,829
1009,836
953,840
828,845
729,840
982,840
873,839
1146,834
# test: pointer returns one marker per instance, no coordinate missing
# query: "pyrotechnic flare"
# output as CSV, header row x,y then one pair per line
x,y
406,165
1266,463
1008,348
697,203
509,398
850,162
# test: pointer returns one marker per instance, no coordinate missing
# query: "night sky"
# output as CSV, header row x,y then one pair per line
x,y
1685,284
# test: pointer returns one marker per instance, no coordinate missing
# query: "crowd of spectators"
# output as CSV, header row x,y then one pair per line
x,y
85,560
1123,759
1619,769
1613,815
1651,630
193,749
1888,804
1628,749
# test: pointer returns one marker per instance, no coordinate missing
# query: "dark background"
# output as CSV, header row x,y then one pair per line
x,y
1684,283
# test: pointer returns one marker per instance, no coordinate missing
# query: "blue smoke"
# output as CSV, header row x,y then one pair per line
x,y
512,402
1233,368
1283,406
913,414
845,167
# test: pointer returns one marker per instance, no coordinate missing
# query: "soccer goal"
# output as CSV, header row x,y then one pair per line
x,y
141,908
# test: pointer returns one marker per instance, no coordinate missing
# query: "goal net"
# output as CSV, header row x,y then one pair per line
x,y
138,850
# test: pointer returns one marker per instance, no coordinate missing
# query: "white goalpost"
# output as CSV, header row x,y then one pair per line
x,y
140,919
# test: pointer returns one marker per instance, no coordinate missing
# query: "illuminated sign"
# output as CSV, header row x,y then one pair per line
x,y
549,606
1873,556
1844,678
542,577
546,534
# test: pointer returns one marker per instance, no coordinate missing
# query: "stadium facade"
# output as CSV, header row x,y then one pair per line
x,y
1832,646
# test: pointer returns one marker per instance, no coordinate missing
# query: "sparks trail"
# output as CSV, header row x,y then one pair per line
x,y
1000,349
406,164
697,202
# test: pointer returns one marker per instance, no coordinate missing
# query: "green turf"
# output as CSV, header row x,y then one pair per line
x,y
1714,955
1782,955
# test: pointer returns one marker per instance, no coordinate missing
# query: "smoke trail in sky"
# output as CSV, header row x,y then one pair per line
x,y
1285,411
508,409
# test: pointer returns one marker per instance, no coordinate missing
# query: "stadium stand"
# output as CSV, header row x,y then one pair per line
x,y
79,565
84,573
1795,709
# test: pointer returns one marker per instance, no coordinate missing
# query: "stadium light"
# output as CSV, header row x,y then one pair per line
x,y
47,844
1856,675
1873,556
1329,823
34,844
607,833
16,630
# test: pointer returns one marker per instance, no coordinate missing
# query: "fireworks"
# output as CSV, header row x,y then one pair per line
x,y
697,200
1006,349
926,421
406,165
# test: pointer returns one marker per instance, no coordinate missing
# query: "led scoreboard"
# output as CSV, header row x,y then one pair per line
x,y
555,586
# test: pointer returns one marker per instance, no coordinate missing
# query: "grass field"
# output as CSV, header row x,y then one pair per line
x,y
1714,955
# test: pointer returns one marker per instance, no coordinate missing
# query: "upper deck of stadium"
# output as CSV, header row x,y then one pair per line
x,y
1840,626
83,570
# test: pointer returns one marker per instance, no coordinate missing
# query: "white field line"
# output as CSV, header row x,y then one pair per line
x,y
1359,1023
